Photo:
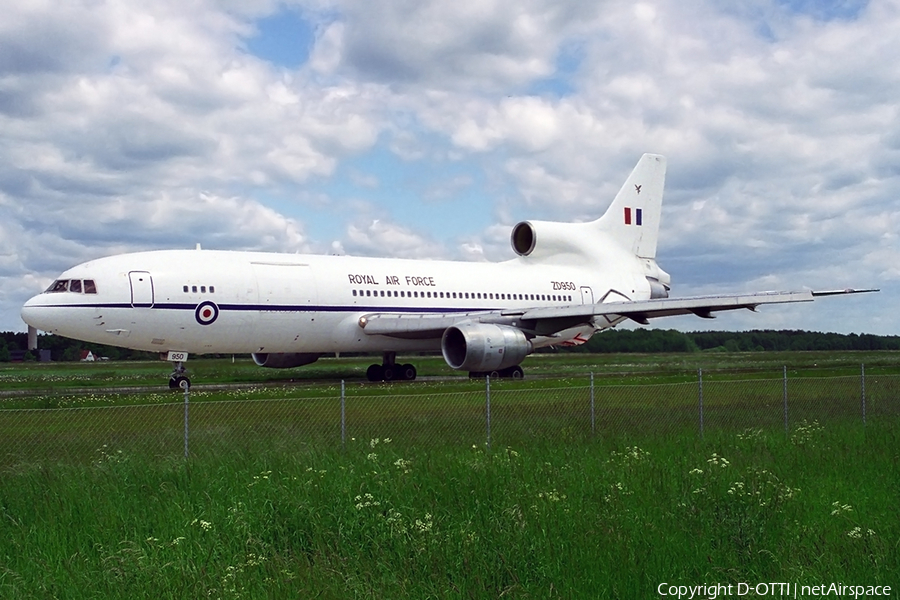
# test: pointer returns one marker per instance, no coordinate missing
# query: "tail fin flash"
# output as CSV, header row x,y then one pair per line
x,y
632,220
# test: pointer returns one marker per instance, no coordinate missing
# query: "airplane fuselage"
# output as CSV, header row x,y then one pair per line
x,y
204,301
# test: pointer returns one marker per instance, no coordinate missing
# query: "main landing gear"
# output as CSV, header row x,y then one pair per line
x,y
389,370
514,372
178,380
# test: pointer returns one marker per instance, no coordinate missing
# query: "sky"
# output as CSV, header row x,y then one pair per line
x,y
428,128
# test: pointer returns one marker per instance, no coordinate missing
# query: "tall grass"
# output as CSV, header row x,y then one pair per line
x,y
589,517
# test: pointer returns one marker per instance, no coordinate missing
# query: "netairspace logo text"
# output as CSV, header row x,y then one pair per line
x,y
786,590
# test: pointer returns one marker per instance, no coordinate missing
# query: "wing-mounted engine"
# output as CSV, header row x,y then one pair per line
x,y
284,360
484,347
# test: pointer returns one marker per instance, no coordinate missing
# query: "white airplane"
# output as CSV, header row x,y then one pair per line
x,y
568,281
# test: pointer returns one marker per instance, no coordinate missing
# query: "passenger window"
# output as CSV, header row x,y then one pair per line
x,y
89,286
203,289
194,289
354,292
212,289
185,289
75,286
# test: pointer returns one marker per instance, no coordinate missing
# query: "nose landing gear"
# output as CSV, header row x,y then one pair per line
x,y
178,380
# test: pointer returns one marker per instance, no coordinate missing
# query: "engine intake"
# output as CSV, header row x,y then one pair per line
x,y
285,360
548,240
523,238
484,347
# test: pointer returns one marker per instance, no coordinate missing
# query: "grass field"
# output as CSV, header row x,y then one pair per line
x,y
608,368
415,504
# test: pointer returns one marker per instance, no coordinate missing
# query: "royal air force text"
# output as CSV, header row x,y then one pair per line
x,y
411,280
417,281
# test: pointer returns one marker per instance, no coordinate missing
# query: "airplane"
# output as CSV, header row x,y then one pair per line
x,y
567,282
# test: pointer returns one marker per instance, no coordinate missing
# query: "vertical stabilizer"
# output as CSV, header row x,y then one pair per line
x,y
632,220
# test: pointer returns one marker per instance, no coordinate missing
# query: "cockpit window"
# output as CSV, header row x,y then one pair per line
x,y
60,285
76,286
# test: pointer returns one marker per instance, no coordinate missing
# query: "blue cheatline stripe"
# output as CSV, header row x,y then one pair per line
x,y
637,216
285,308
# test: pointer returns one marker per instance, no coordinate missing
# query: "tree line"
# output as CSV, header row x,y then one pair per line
x,y
669,340
13,346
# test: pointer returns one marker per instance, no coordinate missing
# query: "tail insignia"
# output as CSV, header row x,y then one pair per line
x,y
638,216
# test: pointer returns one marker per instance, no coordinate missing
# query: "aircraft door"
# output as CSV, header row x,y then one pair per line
x,y
587,295
141,289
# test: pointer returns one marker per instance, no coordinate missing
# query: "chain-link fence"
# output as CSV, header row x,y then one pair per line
x,y
499,417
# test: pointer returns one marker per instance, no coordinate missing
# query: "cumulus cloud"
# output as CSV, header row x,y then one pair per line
x,y
383,238
470,44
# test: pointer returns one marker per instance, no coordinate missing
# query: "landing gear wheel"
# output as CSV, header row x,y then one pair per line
x,y
375,373
179,382
389,372
407,372
515,372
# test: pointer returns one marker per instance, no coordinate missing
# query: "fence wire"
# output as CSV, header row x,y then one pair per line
x,y
484,417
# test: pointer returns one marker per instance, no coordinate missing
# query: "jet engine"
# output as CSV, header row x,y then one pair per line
x,y
284,361
548,240
482,347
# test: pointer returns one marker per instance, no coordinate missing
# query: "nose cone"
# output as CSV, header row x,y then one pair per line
x,y
37,314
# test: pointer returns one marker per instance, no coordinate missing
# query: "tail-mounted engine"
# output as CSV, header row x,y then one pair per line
x,y
484,347
544,240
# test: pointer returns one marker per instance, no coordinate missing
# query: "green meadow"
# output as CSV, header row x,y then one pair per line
x,y
418,496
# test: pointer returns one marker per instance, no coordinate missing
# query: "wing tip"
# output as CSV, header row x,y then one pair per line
x,y
844,291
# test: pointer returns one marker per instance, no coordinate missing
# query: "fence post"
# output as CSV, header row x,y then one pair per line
x,y
862,378
593,414
700,379
343,417
487,382
784,399
187,393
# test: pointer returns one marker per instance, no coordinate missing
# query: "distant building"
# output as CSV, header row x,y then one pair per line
x,y
87,356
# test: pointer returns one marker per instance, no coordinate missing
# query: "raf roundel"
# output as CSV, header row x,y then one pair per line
x,y
206,313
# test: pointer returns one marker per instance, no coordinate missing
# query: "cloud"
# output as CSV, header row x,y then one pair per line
x,y
383,238
462,45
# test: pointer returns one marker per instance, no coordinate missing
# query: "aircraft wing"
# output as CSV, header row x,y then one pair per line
x,y
546,321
